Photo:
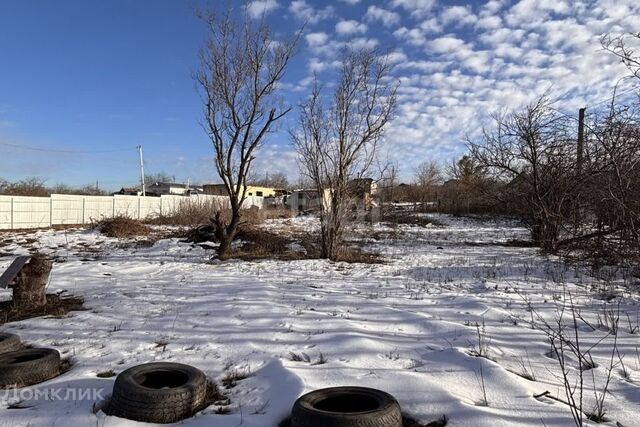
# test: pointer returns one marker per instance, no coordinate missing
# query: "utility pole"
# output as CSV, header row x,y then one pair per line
x,y
579,161
580,154
144,190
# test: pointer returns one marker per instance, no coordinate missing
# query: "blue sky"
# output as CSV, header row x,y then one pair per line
x,y
81,77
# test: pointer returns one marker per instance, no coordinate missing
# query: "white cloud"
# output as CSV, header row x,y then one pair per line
x,y
362,43
305,12
258,8
447,44
508,53
413,36
386,17
396,57
458,15
431,25
417,8
350,27
317,39
351,2
489,22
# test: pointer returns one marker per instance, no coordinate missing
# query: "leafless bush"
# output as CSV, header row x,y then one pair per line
x,y
563,334
337,140
188,213
121,227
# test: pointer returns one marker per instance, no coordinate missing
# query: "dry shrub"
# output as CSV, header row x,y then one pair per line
x,y
189,213
56,305
122,227
261,244
356,255
399,217
278,213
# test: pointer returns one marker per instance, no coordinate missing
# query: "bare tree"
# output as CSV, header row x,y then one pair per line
x,y
337,142
27,187
241,66
152,178
428,173
277,180
613,199
388,182
532,153
625,48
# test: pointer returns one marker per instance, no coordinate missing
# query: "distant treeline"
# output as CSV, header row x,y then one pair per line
x,y
36,187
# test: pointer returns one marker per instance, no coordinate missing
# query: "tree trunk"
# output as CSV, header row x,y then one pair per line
x,y
29,287
545,233
226,233
332,229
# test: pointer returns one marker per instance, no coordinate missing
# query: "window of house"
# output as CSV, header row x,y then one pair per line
x,y
251,194
259,193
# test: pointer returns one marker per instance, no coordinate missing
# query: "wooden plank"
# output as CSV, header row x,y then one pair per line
x,y
13,270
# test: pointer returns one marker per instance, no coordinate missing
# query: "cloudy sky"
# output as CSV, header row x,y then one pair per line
x,y
83,82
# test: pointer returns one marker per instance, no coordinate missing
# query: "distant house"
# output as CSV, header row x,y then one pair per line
x,y
361,186
164,188
304,200
129,191
252,190
361,193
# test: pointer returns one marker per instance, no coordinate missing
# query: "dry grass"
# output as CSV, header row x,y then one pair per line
x,y
399,217
188,214
262,244
355,255
231,378
106,374
56,306
122,227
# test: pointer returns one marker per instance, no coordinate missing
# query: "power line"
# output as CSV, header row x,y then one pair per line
x,y
47,150
617,95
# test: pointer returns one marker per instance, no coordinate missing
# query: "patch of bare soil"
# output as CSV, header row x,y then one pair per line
x,y
395,218
56,306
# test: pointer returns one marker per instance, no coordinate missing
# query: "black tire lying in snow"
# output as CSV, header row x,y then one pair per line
x,y
9,342
159,392
29,366
346,407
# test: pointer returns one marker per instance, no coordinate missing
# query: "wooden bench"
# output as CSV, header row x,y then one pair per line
x,y
12,272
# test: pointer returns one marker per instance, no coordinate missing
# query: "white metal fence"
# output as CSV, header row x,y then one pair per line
x,y
18,212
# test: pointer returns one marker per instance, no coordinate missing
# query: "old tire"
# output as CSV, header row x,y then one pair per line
x,y
346,407
9,342
29,366
159,392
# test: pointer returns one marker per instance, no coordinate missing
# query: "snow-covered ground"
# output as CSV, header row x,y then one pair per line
x,y
407,326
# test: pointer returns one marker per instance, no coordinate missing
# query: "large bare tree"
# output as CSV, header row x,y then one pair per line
x,y
625,47
241,67
532,152
336,139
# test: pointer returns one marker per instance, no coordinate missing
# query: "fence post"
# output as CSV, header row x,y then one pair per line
x,y
113,206
11,211
83,203
50,211
138,208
